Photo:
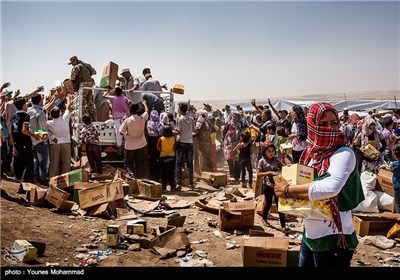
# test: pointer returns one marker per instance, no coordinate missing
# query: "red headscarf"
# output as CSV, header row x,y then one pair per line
x,y
322,143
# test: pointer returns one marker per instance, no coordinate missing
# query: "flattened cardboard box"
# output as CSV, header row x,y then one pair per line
x,y
265,251
237,215
149,188
384,182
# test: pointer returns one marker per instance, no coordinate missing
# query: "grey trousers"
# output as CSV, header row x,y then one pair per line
x,y
60,159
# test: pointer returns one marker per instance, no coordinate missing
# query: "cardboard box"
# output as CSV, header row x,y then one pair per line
x,y
384,182
113,235
26,252
56,196
68,87
301,174
132,226
260,204
215,179
372,225
371,152
286,148
44,135
176,220
115,191
81,186
178,89
37,196
89,197
149,188
237,215
109,76
257,186
293,256
265,252
69,179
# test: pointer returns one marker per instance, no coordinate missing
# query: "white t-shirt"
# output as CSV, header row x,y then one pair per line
x,y
342,164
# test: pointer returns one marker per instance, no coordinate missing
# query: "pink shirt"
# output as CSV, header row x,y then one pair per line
x,y
119,106
133,129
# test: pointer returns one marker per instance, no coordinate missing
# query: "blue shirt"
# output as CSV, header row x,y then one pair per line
x,y
396,174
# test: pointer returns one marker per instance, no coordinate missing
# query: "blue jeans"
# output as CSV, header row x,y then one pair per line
x,y
41,161
331,258
397,199
184,153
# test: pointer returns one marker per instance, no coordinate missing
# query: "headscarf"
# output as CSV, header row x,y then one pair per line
x,y
322,143
354,118
201,117
153,125
366,131
300,121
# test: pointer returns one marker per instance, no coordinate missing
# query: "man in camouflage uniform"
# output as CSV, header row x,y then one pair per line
x,y
81,76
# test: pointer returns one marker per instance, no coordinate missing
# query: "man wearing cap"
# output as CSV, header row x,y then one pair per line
x,y
130,83
81,76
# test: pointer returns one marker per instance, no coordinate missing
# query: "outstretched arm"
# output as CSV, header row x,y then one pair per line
x,y
273,109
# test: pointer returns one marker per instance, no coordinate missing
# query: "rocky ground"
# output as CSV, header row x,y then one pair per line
x,y
67,233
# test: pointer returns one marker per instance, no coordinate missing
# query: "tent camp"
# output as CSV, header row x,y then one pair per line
x,y
356,101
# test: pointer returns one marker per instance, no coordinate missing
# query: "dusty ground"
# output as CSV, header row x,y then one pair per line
x,y
64,232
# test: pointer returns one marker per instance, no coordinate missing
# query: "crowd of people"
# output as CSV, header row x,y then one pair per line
x,y
36,145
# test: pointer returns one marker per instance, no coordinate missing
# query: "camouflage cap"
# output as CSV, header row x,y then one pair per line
x,y
72,58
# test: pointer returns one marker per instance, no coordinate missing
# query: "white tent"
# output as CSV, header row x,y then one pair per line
x,y
340,105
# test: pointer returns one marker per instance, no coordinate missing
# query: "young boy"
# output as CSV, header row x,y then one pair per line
x,y
90,137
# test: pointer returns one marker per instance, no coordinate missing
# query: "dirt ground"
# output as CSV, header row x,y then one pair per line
x,y
64,232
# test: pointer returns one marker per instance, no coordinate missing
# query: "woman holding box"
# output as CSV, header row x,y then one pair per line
x,y
327,242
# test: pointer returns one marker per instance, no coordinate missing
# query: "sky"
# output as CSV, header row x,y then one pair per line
x,y
218,50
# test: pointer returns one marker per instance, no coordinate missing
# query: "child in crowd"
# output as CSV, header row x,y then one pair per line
x,y
213,135
90,137
282,138
269,166
395,168
120,110
166,146
244,147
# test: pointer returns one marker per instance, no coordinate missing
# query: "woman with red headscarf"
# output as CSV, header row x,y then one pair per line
x,y
327,242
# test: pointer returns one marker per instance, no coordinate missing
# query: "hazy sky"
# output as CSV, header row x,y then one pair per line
x,y
218,50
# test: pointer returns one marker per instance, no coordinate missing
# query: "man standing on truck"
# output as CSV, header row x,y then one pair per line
x,y
131,83
81,76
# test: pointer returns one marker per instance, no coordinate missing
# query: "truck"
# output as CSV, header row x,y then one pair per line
x,y
108,142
